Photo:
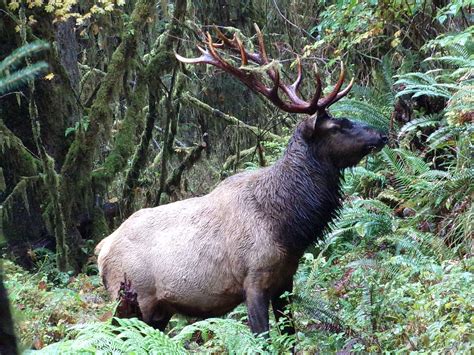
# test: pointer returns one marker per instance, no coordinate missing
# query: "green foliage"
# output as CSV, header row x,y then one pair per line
x,y
362,111
11,77
222,335
117,336
42,310
371,105
122,336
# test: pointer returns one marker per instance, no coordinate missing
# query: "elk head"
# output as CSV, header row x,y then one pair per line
x,y
343,141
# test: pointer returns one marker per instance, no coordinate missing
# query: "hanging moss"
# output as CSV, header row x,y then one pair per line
x,y
139,158
100,229
228,118
76,189
126,138
20,178
12,149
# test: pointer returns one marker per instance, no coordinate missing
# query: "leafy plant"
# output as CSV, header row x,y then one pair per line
x,y
11,76
118,336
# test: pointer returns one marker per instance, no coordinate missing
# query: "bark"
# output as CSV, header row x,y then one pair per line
x,y
140,157
172,185
126,139
232,160
20,197
49,175
68,49
167,150
162,60
56,109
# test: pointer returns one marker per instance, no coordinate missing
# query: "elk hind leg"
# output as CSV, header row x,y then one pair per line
x,y
159,317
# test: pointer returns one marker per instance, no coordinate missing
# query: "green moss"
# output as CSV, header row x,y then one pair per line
x,y
126,138
100,229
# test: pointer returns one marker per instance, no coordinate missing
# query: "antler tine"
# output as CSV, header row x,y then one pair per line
x,y
243,53
319,89
297,82
273,93
236,44
212,49
223,37
344,92
205,57
328,100
261,44
223,64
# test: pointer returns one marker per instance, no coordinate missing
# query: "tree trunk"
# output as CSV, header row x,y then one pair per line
x,y
7,332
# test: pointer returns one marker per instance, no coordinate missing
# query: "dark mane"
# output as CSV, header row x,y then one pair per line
x,y
300,194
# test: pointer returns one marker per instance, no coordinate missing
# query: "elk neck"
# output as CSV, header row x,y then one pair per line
x,y
299,195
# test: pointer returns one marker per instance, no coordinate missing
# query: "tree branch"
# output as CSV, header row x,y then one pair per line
x,y
187,98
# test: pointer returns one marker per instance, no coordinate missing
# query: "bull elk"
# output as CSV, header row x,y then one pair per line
x,y
203,256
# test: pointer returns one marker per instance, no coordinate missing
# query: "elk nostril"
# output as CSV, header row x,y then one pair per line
x,y
384,138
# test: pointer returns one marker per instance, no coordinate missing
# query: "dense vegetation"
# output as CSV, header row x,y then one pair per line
x,y
97,120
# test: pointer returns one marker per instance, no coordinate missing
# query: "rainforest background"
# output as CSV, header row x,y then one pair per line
x,y
98,119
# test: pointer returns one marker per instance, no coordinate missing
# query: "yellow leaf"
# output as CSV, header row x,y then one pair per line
x,y
31,20
395,42
49,76
13,5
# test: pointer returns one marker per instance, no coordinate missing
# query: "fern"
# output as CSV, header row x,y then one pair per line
x,y
11,81
317,309
416,124
123,337
364,112
10,77
224,335
11,62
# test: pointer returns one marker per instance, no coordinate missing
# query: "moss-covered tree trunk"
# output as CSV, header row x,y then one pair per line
x,y
57,108
77,193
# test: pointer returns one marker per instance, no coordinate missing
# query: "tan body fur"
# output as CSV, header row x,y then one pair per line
x,y
199,256
242,242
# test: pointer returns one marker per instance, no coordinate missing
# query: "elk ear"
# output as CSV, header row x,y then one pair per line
x,y
309,127
318,124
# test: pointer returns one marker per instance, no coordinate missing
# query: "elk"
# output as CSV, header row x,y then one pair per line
x,y
242,242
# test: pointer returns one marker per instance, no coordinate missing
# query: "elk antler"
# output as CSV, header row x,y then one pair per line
x,y
295,103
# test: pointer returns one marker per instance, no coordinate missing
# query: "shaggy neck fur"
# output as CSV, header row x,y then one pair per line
x,y
300,194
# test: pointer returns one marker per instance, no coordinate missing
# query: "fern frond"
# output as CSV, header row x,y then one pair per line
x,y
10,82
362,111
417,90
11,62
124,337
318,309
228,335
416,124
455,61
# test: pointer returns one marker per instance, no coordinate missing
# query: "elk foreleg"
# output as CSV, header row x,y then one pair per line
x,y
279,304
258,301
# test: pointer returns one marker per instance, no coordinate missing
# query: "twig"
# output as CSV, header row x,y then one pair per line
x,y
291,23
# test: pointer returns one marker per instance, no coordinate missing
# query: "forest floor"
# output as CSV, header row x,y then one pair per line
x,y
45,304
